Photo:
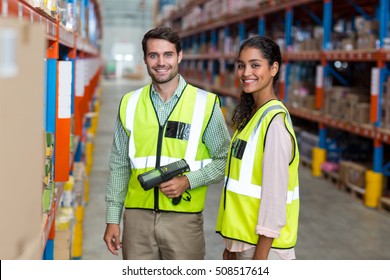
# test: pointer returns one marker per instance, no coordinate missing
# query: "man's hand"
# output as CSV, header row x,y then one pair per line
x,y
112,238
175,187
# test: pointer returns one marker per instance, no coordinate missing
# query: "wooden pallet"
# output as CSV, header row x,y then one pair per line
x,y
355,191
305,162
331,176
384,204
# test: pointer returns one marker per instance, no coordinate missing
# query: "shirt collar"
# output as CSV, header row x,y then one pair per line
x,y
180,87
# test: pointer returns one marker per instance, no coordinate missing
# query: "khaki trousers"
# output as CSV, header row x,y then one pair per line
x,y
149,235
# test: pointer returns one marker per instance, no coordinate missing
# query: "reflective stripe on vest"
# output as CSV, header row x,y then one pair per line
x,y
132,104
255,191
250,151
244,186
196,129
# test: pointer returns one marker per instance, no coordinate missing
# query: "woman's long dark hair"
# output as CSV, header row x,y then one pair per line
x,y
271,52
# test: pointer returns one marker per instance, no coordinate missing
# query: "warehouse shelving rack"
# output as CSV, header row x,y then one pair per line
x,y
65,119
320,12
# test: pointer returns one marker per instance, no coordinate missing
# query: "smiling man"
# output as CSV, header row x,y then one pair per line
x,y
158,124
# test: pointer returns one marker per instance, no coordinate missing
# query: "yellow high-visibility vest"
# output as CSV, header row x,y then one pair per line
x,y
241,196
152,145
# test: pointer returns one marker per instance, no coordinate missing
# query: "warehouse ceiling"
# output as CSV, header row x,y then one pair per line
x,y
134,13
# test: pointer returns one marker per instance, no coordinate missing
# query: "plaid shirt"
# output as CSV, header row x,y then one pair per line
x,y
120,169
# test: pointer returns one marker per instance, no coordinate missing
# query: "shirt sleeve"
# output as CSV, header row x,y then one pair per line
x,y
277,155
217,139
119,176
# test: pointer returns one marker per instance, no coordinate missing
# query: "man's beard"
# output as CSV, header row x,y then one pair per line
x,y
162,80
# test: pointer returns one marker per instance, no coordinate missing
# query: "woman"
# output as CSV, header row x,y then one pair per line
x,y
259,208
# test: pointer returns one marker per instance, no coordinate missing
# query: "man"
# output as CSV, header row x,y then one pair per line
x,y
161,123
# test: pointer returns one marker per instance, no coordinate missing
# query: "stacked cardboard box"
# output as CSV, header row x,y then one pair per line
x,y
22,143
386,105
63,233
359,34
367,33
347,103
308,38
301,95
352,173
362,114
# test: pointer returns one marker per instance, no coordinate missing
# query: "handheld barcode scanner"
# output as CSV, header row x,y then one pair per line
x,y
153,178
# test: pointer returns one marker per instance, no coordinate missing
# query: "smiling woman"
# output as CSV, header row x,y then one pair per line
x,y
262,164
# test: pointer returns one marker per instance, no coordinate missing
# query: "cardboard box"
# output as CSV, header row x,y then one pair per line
x,y
351,102
62,244
352,173
356,174
309,102
386,117
363,113
22,146
335,101
343,174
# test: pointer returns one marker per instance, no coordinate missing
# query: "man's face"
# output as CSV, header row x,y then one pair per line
x,y
162,60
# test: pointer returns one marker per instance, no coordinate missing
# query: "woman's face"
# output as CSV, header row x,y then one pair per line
x,y
254,71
